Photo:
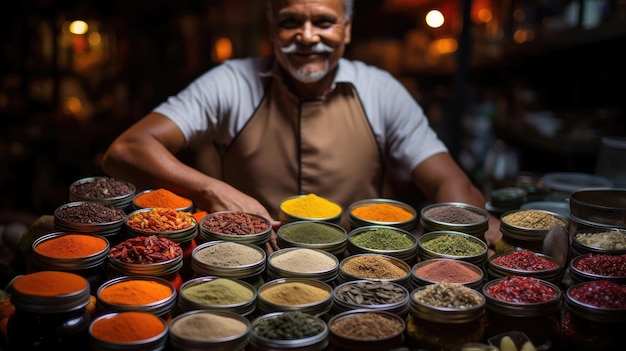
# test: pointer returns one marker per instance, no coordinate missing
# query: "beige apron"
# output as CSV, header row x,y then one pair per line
x,y
290,147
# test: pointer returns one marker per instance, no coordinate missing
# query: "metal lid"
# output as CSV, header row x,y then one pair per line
x,y
599,207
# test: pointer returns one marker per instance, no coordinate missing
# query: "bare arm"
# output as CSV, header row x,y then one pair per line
x,y
440,179
144,154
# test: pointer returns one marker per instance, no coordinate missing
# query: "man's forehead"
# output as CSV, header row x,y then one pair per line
x,y
286,6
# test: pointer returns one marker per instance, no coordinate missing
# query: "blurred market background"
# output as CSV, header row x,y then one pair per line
x,y
512,86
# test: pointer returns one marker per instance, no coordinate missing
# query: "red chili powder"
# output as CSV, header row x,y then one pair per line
x,y
449,270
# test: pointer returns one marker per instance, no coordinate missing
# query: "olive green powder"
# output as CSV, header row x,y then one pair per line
x,y
311,233
382,239
454,245
220,291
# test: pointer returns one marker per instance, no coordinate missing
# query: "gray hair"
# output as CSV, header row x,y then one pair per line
x,y
348,6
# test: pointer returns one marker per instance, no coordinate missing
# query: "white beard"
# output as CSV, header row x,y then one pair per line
x,y
306,76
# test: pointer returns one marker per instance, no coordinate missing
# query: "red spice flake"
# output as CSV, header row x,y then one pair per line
x,y
525,261
146,249
521,289
160,219
235,223
600,293
602,264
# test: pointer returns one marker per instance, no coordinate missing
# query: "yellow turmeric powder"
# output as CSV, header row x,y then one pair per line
x,y
310,206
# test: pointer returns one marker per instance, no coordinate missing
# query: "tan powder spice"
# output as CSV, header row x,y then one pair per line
x,y
372,267
207,326
303,261
533,219
294,293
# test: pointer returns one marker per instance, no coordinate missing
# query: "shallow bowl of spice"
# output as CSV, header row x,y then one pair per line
x,y
373,266
452,244
365,329
137,293
380,211
161,197
526,229
384,240
89,217
109,191
599,301
229,259
599,240
310,207
217,294
289,294
235,226
435,270
128,331
298,262
525,263
372,295
288,330
455,216
209,330
321,235
589,267
178,226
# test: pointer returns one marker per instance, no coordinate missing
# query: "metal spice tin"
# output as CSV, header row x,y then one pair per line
x,y
104,225
326,275
317,342
477,228
68,264
160,308
180,235
418,281
518,237
337,236
424,254
356,222
228,343
371,295
120,201
404,280
553,275
611,245
406,254
245,271
243,309
255,238
393,339
155,343
137,207
285,217
579,276
317,308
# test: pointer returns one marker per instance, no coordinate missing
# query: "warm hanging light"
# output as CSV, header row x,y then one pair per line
x,y
434,19
223,49
79,27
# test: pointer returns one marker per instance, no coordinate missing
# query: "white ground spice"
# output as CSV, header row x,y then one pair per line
x,y
302,261
207,326
228,254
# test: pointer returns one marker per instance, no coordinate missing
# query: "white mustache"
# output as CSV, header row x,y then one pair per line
x,y
318,48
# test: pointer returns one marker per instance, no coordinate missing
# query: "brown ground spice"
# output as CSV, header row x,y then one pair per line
x,y
372,267
532,219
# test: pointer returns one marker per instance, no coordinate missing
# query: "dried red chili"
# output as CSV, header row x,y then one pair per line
x,y
602,264
146,249
524,260
160,219
521,289
235,223
600,293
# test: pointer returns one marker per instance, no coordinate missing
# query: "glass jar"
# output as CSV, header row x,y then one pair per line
x,y
525,304
594,319
50,312
432,327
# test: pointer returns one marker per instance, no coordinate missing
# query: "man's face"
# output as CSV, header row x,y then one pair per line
x,y
309,36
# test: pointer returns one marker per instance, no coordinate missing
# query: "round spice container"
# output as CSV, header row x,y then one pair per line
x,y
313,235
454,245
137,293
374,267
526,229
209,330
455,216
140,331
50,312
444,315
147,255
300,262
82,254
89,217
217,294
371,295
161,198
384,212
235,226
360,330
597,208
288,330
289,294
524,263
178,226
229,259
384,240
508,198
595,316
525,304
309,207
590,267
109,191
436,270
599,240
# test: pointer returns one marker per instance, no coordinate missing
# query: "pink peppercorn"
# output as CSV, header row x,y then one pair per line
x,y
600,293
524,260
602,264
521,290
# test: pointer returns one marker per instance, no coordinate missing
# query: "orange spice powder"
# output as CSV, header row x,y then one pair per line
x,y
161,198
127,327
49,283
382,213
71,246
135,292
